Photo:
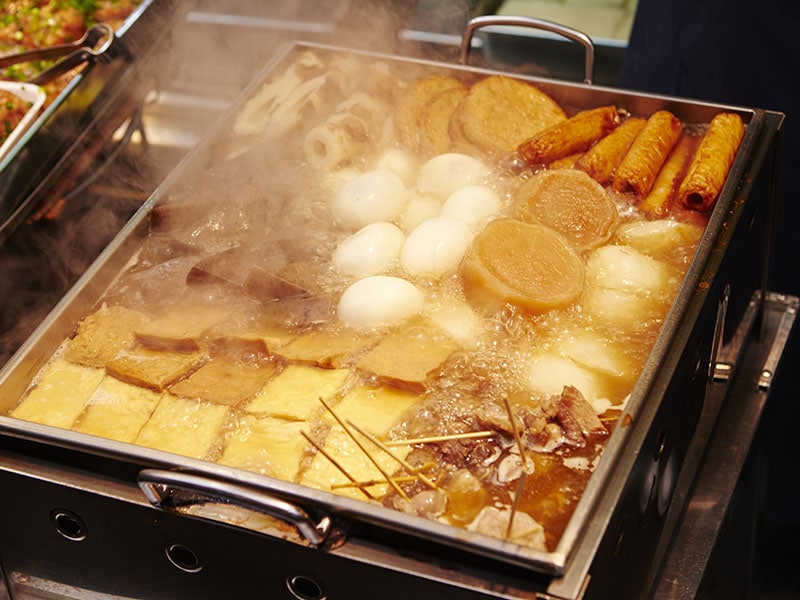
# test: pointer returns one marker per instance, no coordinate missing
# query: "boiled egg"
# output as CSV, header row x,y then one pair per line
x,y
444,174
419,208
379,301
377,195
471,204
400,162
370,250
435,246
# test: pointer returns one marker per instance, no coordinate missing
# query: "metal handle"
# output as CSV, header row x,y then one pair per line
x,y
184,493
534,23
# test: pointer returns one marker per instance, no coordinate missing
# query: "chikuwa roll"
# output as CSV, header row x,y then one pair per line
x,y
710,165
602,159
638,170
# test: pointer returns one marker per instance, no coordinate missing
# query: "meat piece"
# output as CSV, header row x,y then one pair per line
x,y
577,417
231,267
266,286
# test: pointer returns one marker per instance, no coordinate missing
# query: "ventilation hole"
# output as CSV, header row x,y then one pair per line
x,y
69,525
303,587
184,558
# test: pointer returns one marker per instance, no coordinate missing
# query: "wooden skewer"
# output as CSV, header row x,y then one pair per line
x,y
371,482
515,503
335,464
405,464
442,438
516,433
389,480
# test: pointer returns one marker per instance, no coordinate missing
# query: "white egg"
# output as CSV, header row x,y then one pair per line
x,y
444,174
419,208
471,204
377,195
370,250
435,246
400,162
379,301
335,180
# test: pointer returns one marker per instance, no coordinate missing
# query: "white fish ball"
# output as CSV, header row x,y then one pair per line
x,y
379,301
377,195
370,250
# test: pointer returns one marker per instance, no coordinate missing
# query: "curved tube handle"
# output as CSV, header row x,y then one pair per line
x,y
568,32
184,493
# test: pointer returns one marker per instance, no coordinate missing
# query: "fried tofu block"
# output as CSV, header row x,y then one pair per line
x,y
181,330
225,380
117,410
153,369
295,393
499,113
408,355
324,348
60,394
183,426
375,410
103,334
265,445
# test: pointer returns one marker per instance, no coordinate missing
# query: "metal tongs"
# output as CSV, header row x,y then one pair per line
x,y
92,46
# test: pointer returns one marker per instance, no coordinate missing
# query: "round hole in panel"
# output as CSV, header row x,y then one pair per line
x,y
184,558
304,587
69,525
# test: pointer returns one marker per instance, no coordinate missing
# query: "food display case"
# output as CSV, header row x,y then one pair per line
x,y
127,520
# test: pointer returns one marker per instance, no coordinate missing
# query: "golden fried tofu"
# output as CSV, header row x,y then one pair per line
x,y
268,446
295,393
499,113
103,334
324,348
153,369
225,380
183,426
408,355
376,411
117,410
181,330
60,394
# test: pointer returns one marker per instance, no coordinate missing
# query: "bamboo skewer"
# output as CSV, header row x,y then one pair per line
x,y
336,464
405,464
383,472
442,438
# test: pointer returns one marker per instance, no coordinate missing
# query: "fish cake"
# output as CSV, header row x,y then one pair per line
x,y
434,132
499,113
408,114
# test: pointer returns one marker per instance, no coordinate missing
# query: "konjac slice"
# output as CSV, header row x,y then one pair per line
x,y
527,265
570,202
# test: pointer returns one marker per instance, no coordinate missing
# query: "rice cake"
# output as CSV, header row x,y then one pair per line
x,y
117,410
60,394
183,426
295,393
268,446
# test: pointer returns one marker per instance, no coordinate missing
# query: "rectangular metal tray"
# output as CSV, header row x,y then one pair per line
x,y
631,487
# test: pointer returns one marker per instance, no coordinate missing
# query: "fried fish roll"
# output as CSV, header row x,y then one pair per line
x,y
664,189
602,159
711,163
574,135
638,170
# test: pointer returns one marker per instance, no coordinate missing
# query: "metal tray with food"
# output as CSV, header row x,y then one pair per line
x,y
79,56
460,315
